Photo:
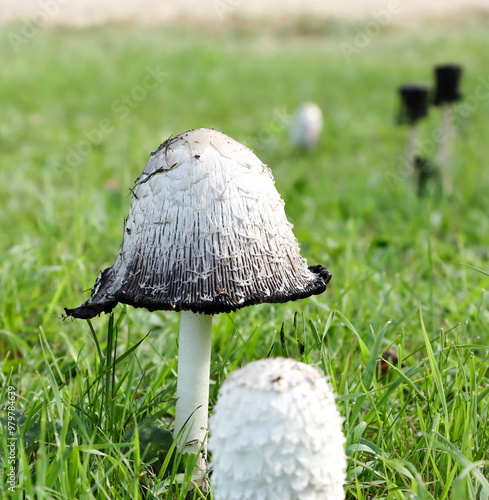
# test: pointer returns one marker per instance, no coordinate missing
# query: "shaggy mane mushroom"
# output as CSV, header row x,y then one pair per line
x,y
275,434
206,234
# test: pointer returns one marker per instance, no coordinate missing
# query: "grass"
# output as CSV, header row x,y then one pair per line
x,y
91,397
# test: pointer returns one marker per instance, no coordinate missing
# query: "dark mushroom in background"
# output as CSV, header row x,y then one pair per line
x,y
447,81
414,107
206,233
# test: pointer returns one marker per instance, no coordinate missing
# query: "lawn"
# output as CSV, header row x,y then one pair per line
x,y
80,111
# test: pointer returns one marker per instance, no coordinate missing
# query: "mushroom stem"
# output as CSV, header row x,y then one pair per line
x,y
412,144
194,355
445,149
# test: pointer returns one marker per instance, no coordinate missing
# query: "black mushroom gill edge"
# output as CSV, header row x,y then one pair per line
x,y
219,304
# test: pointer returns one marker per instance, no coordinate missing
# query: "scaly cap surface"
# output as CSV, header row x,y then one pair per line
x,y
206,232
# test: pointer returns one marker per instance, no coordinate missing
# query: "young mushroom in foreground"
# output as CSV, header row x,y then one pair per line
x,y
275,434
206,234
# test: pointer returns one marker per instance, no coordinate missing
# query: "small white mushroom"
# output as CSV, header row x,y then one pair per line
x,y
206,233
307,126
275,434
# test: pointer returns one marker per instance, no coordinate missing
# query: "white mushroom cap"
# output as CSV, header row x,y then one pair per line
x,y
206,232
275,434
307,125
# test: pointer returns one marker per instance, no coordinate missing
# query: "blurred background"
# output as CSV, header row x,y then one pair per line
x,y
90,12
90,88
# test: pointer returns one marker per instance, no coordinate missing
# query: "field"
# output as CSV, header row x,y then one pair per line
x,y
80,111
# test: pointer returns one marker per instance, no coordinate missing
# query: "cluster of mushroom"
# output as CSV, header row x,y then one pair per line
x,y
206,233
